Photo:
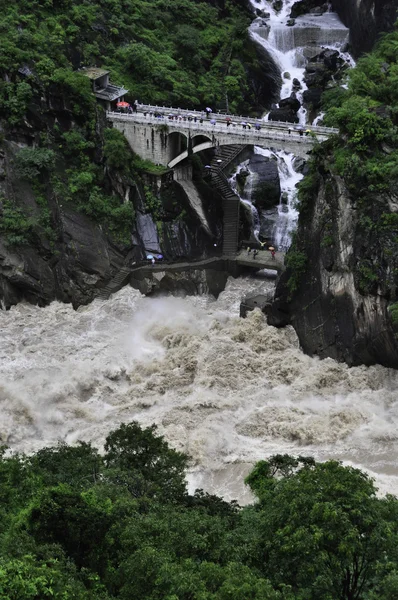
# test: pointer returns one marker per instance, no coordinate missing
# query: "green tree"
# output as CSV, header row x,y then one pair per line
x,y
153,468
324,530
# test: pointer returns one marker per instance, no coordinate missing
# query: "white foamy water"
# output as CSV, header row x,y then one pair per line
x,y
255,217
291,46
227,391
287,212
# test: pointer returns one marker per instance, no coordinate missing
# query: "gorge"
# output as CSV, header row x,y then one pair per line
x,y
225,390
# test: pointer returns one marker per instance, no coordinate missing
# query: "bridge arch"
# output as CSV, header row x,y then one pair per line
x,y
195,149
177,143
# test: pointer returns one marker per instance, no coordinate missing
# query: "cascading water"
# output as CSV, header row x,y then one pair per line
x,y
291,46
247,199
287,211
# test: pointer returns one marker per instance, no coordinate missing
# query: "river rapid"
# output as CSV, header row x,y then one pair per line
x,y
227,391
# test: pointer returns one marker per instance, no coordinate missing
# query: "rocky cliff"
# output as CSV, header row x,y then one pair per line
x,y
339,291
50,249
366,19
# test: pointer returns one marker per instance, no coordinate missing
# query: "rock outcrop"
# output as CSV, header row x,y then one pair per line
x,y
366,19
81,256
340,307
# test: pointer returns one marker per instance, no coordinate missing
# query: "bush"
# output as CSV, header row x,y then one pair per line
x,y
33,162
296,262
16,226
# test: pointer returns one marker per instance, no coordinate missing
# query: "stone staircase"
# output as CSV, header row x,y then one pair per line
x,y
115,284
231,202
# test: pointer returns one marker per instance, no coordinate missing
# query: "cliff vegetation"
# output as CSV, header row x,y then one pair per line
x,y
70,188
342,280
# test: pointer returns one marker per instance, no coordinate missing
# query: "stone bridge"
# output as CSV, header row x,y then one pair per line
x,y
174,134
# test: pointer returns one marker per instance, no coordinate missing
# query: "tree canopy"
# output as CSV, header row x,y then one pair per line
x,y
77,524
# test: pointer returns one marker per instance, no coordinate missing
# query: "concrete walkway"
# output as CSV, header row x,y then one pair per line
x,y
263,259
227,263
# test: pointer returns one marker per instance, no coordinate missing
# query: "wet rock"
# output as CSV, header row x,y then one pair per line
x,y
296,84
299,164
331,59
312,97
303,7
284,198
268,220
291,22
335,312
249,303
264,182
366,20
290,102
277,5
262,13
286,75
285,115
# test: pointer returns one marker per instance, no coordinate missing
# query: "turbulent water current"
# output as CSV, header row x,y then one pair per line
x,y
227,391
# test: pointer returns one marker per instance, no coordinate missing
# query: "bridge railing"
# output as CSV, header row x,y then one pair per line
x,y
183,112
249,136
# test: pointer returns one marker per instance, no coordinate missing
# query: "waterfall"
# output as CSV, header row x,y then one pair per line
x,y
247,200
292,43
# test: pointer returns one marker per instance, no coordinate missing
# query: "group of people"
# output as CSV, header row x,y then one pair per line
x,y
125,107
264,246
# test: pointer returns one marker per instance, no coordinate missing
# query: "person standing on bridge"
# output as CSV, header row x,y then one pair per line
x,y
208,110
273,253
255,252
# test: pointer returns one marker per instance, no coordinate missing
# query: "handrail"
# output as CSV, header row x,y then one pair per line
x,y
265,132
166,110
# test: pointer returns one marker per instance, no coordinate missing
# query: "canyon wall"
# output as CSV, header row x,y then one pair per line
x,y
366,19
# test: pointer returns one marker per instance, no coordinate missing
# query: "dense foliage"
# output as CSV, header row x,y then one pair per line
x,y
77,525
182,52
366,156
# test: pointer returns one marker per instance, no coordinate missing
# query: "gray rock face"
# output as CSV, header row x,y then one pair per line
x,y
263,185
366,20
83,256
331,311
286,115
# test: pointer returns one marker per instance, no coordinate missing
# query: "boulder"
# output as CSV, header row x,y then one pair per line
x,y
303,7
286,115
249,303
312,97
290,102
299,164
263,186
296,84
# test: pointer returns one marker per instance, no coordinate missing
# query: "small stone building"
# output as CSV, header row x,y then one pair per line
x,y
104,90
